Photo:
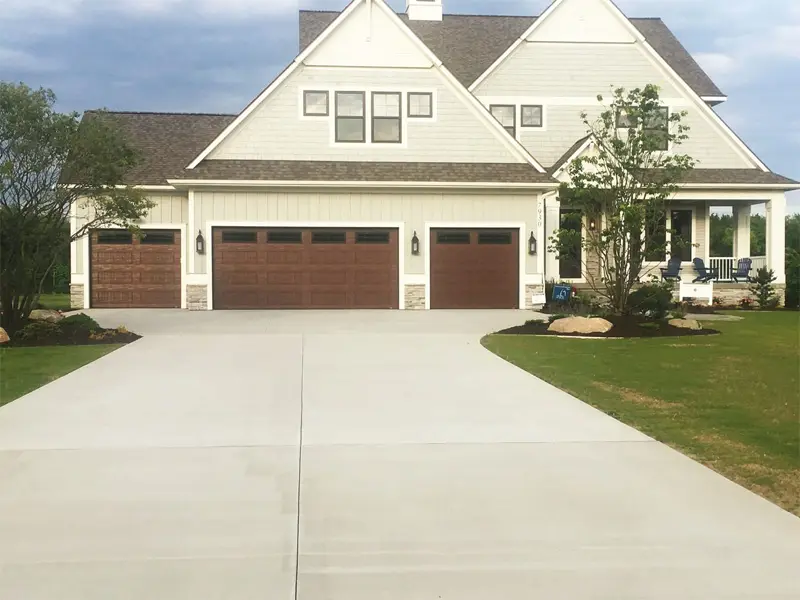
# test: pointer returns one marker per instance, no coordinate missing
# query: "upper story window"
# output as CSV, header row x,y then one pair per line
x,y
656,128
386,119
420,105
507,115
350,117
315,104
532,116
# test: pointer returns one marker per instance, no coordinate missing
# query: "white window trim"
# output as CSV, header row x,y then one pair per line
x,y
523,255
207,278
87,282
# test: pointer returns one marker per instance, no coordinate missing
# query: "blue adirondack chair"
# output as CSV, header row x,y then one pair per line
x,y
673,270
743,270
704,275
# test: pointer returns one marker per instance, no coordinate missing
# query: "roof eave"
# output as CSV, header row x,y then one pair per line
x,y
277,183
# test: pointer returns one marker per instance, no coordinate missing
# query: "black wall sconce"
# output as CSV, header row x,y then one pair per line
x,y
415,245
532,245
200,243
592,224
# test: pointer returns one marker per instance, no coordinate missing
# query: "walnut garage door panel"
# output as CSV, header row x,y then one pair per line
x,y
305,268
129,271
474,268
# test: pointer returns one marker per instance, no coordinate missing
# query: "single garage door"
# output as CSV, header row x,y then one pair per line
x,y
474,268
135,272
305,268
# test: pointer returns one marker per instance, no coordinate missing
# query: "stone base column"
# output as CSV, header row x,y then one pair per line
x,y
197,297
415,297
530,290
76,296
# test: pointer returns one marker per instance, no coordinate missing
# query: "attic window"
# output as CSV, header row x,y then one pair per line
x,y
350,120
315,104
532,116
420,105
507,115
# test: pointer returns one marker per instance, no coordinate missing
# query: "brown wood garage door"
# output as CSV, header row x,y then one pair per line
x,y
132,272
297,268
474,268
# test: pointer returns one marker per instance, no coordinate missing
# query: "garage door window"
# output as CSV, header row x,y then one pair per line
x,y
285,237
372,237
452,237
114,237
155,238
329,237
239,237
494,238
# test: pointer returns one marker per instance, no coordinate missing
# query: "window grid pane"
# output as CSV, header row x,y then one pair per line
x,y
315,103
420,105
349,104
386,120
532,116
506,114
386,105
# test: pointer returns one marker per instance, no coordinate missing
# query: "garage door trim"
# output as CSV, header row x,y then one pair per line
x,y
87,258
398,225
476,225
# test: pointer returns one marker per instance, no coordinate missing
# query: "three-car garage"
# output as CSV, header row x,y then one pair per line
x,y
309,268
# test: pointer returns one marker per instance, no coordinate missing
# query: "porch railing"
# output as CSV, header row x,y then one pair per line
x,y
726,265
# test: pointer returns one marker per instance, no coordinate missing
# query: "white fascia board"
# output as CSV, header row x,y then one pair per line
x,y
149,188
276,83
359,184
583,147
714,98
740,186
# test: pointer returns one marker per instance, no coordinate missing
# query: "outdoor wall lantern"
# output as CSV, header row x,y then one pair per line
x,y
200,243
532,245
415,245
592,224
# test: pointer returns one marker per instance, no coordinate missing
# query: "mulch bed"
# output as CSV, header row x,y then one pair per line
x,y
79,337
624,327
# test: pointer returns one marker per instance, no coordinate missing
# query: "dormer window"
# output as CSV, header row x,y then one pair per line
x,y
315,104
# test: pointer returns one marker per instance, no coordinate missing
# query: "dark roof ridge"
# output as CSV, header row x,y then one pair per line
x,y
164,113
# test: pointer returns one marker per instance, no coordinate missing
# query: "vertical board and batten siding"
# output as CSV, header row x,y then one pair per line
x,y
277,131
557,74
170,209
415,210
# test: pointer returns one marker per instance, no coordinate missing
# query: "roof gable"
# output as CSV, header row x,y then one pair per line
x,y
364,16
469,44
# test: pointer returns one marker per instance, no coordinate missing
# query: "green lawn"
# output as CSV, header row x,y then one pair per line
x,y
22,370
55,301
730,401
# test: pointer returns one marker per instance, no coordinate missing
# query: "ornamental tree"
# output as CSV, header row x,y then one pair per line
x,y
621,188
50,161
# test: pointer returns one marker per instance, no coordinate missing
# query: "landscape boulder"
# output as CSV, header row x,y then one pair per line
x,y
581,325
50,316
686,324
4,339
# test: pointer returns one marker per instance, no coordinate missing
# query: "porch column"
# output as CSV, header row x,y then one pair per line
x,y
741,231
776,236
552,223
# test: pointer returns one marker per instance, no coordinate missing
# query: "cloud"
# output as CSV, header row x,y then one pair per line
x,y
19,60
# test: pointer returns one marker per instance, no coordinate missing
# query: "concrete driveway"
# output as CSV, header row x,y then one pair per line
x,y
356,455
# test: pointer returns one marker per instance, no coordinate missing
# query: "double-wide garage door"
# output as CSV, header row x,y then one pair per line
x,y
474,268
305,268
130,271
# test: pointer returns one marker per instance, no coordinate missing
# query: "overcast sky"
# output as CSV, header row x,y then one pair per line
x,y
216,55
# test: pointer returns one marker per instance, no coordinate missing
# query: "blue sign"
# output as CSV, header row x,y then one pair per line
x,y
562,293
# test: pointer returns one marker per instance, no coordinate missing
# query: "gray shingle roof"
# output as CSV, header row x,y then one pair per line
x,y
736,176
469,44
297,170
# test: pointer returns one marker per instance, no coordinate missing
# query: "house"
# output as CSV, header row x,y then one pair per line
x,y
409,161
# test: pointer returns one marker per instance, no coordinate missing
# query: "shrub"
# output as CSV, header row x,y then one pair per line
x,y
652,300
762,287
38,331
746,304
80,321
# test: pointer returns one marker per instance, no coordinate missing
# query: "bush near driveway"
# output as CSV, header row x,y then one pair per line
x,y
728,401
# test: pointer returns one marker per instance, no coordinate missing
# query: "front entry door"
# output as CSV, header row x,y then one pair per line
x,y
569,263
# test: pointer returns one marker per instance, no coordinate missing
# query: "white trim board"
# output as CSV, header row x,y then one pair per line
x,y
477,108
87,292
705,110
477,225
255,183
401,242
